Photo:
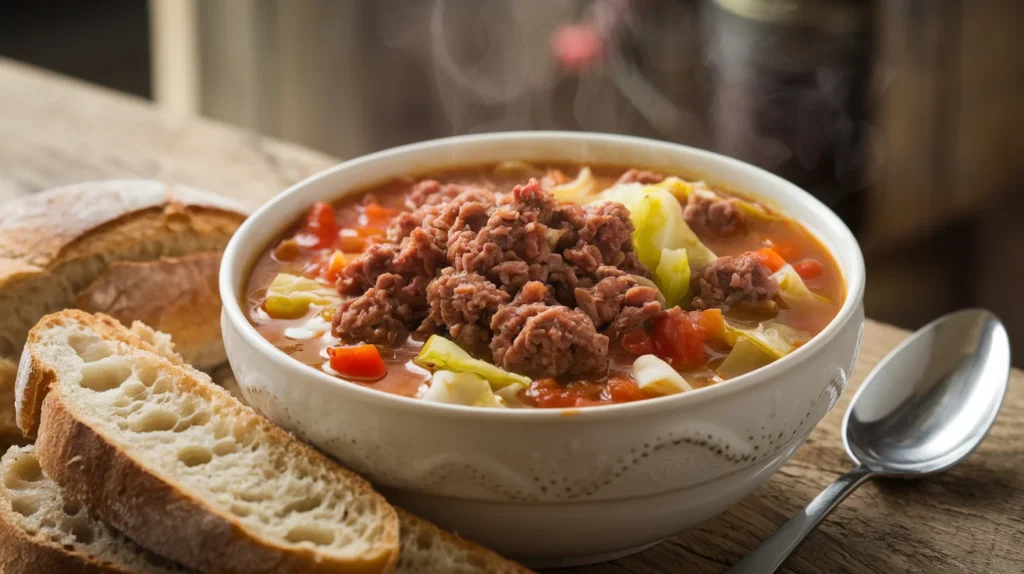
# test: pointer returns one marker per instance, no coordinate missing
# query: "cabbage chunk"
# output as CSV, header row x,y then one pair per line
x,y
793,290
672,276
658,223
745,356
579,190
461,389
682,190
290,296
441,353
775,339
753,348
655,375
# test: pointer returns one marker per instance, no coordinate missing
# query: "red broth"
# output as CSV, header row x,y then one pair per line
x,y
362,218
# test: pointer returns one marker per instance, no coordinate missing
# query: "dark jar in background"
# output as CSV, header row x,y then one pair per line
x,y
789,91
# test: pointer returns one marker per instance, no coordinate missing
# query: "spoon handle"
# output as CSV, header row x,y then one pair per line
x,y
767,557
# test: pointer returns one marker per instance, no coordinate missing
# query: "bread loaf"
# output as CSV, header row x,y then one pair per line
x,y
136,249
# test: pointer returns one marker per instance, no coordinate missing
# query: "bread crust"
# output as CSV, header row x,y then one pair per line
x,y
152,509
56,243
21,553
70,214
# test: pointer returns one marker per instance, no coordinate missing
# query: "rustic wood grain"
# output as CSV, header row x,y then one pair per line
x,y
55,131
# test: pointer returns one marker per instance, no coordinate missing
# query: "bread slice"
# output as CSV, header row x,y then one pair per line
x,y
162,454
69,246
44,531
426,549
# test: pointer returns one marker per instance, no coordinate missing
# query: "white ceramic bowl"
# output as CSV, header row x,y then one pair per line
x,y
553,487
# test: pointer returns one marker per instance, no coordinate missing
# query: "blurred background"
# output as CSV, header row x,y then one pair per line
x,y
903,115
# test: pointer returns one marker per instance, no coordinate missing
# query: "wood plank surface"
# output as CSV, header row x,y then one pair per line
x,y
55,131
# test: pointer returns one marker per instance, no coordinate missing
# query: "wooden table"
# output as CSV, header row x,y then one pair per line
x,y
55,131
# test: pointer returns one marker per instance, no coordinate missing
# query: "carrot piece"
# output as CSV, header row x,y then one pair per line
x,y
712,323
771,259
379,212
335,266
351,241
369,231
808,268
357,362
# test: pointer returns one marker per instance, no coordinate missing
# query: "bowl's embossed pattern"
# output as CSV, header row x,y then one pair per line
x,y
541,485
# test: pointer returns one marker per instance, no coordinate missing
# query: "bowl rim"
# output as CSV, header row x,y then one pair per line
x,y
240,249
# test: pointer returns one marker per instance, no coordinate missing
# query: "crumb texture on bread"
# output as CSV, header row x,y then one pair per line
x,y
113,410
427,549
55,531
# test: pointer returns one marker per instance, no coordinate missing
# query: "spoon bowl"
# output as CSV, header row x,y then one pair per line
x,y
930,403
922,410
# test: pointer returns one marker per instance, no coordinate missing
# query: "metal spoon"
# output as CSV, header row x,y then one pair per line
x,y
923,409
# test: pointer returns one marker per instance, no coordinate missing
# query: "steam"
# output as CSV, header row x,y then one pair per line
x,y
692,76
492,68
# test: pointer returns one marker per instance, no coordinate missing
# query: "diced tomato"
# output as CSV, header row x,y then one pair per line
x,y
623,390
785,250
320,229
678,339
550,394
638,342
808,268
358,362
771,259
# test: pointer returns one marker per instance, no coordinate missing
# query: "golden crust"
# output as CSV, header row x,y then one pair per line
x,y
36,229
190,301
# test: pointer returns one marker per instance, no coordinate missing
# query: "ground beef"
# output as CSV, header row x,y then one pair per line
x,y
423,191
618,303
464,303
740,281
381,315
464,252
641,176
362,273
438,210
509,249
542,340
532,201
605,239
534,292
709,212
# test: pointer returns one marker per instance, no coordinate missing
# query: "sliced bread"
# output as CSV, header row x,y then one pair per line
x,y
45,532
426,549
162,454
134,249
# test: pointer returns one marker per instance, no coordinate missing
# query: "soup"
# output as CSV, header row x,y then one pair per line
x,y
524,286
